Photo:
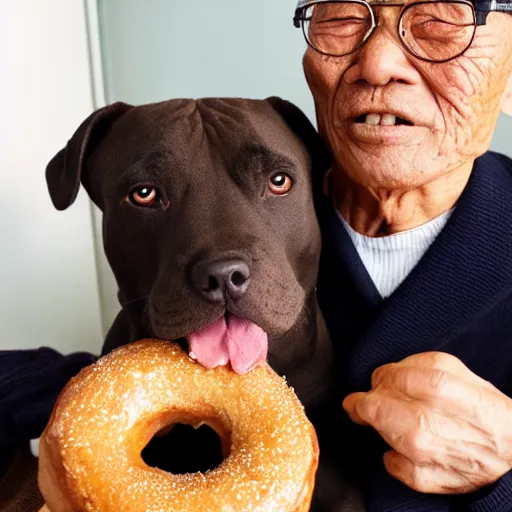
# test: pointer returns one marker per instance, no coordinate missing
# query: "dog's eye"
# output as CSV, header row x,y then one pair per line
x,y
144,196
280,184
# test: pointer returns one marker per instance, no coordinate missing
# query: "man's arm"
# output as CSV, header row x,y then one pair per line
x,y
30,382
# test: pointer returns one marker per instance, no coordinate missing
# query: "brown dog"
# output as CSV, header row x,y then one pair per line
x,y
210,230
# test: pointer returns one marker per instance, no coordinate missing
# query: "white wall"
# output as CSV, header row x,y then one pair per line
x,y
48,279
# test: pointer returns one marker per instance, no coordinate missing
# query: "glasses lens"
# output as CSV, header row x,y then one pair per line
x,y
437,31
337,28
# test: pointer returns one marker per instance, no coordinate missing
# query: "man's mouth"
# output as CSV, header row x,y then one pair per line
x,y
229,339
385,119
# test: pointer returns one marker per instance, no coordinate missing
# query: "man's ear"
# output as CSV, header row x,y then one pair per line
x,y
64,171
300,124
506,102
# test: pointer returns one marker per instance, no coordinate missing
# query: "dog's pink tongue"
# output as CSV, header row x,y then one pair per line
x,y
239,341
247,344
208,345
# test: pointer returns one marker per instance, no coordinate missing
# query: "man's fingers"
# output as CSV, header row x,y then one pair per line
x,y
427,478
423,435
419,478
393,417
350,404
409,426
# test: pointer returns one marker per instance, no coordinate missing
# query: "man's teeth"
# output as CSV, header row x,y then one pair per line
x,y
383,120
388,120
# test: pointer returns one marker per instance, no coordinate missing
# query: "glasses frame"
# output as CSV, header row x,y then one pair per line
x,y
481,10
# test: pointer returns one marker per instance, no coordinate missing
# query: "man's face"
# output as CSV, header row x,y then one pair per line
x,y
453,106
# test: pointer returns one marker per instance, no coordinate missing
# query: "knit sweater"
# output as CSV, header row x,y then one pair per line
x,y
457,299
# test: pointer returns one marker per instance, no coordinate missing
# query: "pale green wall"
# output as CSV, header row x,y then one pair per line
x,y
159,49
502,140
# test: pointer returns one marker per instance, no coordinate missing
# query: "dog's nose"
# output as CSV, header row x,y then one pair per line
x,y
221,279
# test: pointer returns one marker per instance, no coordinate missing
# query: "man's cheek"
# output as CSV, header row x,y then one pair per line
x,y
455,92
481,75
483,106
458,83
323,73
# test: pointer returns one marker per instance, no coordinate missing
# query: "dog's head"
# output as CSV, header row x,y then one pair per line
x,y
207,215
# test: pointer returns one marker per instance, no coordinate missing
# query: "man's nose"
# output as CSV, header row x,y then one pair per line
x,y
381,60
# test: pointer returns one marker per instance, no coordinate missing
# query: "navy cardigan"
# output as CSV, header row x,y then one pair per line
x,y
458,299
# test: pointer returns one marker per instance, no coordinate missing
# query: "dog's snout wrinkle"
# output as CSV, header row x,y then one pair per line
x,y
220,280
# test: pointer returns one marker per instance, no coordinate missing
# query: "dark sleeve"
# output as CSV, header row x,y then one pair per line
x,y
497,498
30,382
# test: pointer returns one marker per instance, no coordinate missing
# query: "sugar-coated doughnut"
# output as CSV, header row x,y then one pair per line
x,y
90,452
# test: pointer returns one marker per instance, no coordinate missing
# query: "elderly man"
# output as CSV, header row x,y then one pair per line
x,y
416,274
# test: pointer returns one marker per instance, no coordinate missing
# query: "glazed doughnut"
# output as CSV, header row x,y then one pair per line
x,y
90,452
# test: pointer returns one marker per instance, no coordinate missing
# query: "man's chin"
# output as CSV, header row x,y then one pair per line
x,y
384,169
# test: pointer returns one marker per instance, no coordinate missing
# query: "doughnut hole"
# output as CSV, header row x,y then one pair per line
x,y
188,446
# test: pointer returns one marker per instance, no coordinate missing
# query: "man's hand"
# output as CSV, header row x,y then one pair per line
x,y
450,430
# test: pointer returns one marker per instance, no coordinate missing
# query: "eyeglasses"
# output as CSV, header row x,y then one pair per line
x,y
431,30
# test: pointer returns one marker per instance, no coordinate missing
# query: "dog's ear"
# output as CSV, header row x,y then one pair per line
x,y
300,124
64,171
